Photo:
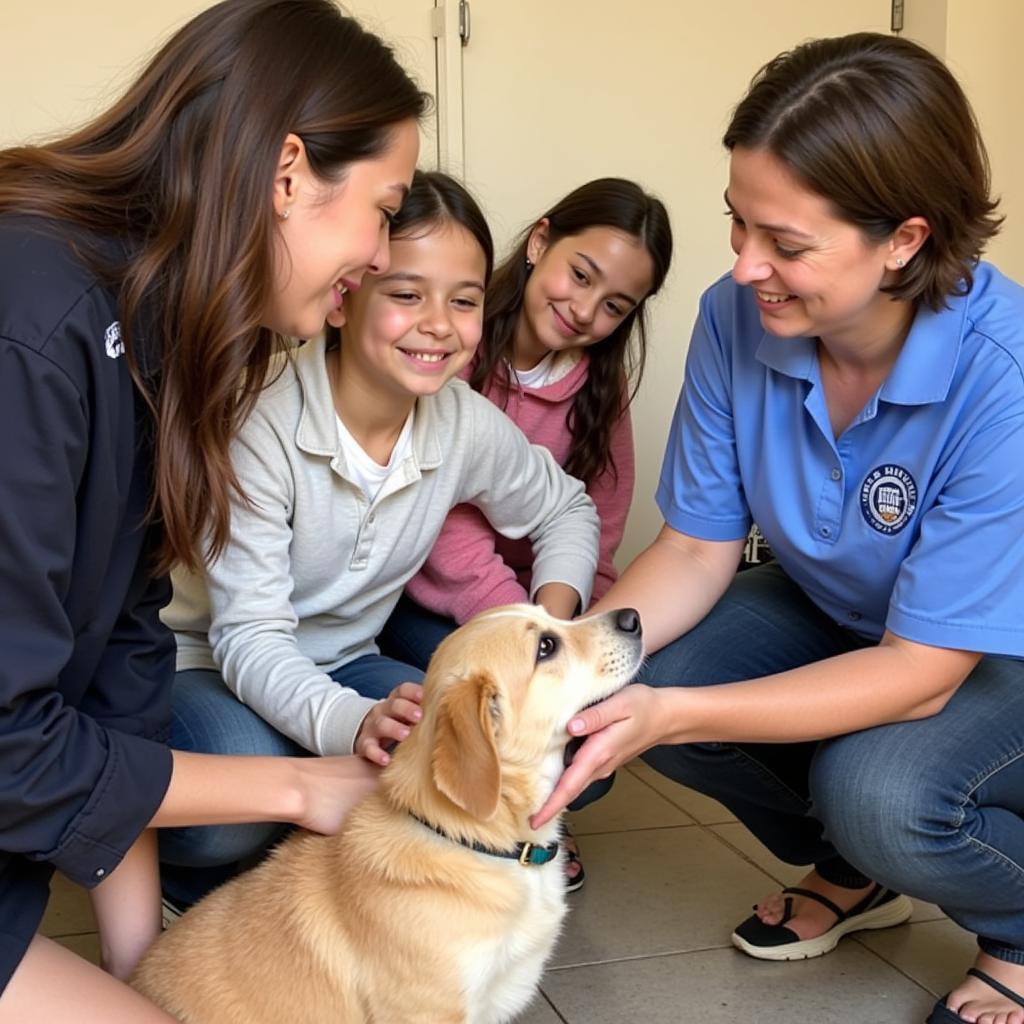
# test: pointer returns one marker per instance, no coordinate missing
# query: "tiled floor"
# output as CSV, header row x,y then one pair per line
x,y
668,873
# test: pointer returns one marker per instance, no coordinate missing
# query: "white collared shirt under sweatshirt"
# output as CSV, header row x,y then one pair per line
x,y
313,569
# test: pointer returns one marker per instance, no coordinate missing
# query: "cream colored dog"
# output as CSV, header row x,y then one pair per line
x,y
437,902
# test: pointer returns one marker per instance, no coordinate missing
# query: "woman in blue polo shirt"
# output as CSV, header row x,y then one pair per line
x,y
855,387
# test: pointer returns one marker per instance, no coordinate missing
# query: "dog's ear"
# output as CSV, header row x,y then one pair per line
x,y
466,765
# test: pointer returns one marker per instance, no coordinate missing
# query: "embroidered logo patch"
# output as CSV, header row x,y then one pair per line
x,y
888,498
113,341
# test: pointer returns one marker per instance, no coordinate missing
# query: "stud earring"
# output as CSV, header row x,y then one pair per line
x,y
285,212
529,263
900,262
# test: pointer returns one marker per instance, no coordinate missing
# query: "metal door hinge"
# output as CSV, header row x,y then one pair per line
x,y
465,22
896,22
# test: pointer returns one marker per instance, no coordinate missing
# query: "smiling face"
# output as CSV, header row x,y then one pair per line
x,y
812,273
580,289
334,233
413,328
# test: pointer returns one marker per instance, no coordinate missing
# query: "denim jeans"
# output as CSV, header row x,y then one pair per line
x,y
207,718
933,808
412,633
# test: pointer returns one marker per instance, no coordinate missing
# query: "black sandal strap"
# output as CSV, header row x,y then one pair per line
x,y
997,985
817,897
787,911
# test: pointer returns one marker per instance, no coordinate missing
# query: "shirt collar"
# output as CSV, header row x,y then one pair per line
x,y
925,366
923,370
795,357
317,432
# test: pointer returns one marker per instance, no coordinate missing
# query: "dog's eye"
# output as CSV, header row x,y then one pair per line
x,y
548,647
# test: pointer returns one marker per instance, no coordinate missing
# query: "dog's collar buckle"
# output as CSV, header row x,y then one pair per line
x,y
532,855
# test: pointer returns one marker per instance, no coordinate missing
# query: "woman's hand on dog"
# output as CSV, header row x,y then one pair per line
x,y
330,787
388,722
617,729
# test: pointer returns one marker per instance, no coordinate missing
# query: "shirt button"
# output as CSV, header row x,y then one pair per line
x,y
837,474
825,532
100,872
855,616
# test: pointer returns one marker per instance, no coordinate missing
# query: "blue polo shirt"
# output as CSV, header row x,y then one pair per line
x,y
913,520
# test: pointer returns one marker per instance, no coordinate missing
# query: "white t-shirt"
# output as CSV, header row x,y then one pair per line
x,y
552,368
370,475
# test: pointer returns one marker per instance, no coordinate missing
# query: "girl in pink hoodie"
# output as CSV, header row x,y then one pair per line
x,y
563,350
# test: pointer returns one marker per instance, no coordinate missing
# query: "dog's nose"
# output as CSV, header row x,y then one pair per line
x,y
628,620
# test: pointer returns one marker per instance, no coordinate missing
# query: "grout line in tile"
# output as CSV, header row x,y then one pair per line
x,y
554,1009
632,831
896,967
678,807
743,856
638,957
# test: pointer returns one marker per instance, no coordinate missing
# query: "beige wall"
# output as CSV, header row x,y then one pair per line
x,y
983,48
64,61
924,21
980,41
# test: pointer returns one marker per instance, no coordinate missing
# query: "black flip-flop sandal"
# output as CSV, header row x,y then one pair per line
x,y
942,1014
881,908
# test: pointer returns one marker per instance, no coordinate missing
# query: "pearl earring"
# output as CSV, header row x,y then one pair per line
x,y
285,212
900,262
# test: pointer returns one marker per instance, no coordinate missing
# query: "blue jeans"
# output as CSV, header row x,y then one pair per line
x,y
412,633
933,808
207,718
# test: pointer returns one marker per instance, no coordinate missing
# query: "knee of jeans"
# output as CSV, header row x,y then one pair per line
x,y
882,817
209,846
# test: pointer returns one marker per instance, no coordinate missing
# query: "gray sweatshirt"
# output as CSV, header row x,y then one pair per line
x,y
313,569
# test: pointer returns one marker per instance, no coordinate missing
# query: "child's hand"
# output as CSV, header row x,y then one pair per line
x,y
388,722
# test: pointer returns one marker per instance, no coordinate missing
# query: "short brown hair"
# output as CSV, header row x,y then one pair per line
x,y
880,128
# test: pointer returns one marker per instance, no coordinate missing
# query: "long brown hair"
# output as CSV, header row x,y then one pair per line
x,y
181,169
616,362
879,127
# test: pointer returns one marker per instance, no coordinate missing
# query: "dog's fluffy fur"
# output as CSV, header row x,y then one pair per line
x,y
390,922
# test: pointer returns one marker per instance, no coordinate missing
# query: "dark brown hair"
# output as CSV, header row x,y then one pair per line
x,y
435,199
880,128
181,168
616,365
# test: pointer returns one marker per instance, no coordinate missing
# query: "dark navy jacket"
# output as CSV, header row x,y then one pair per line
x,y
85,664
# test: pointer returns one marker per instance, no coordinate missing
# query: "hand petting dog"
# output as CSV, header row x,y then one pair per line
x,y
388,722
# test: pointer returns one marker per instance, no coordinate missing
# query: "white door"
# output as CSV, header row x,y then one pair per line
x,y
560,91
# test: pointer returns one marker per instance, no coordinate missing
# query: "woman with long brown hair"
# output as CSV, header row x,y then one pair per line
x,y
150,265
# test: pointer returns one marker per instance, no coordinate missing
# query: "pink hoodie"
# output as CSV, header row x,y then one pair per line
x,y
471,566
